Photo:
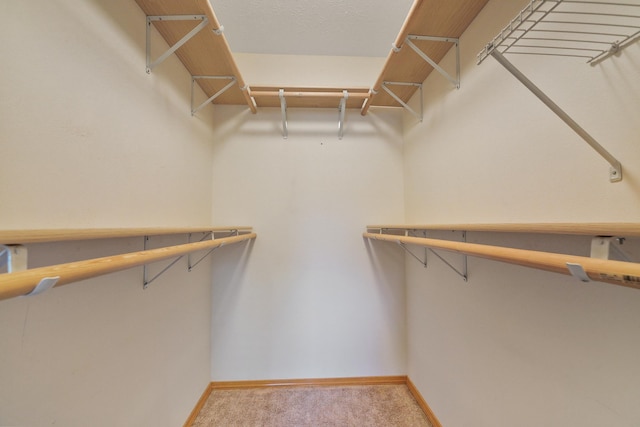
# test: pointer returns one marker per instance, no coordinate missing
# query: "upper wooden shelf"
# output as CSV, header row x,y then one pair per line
x,y
617,229
60,235
206,54
435,18
309,97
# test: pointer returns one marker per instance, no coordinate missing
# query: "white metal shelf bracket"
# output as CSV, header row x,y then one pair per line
x,y
151,65
190,264
215,95
14,257
385,87
283,110
454,80
424,263
146,281
341,113
615,171
463,273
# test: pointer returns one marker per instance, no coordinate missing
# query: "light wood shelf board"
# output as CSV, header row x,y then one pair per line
x,y
60,235
617,229
309,97
440,18
204,54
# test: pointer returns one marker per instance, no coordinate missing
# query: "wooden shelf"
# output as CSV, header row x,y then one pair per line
x,y
206,54
617,229
309,97
8,237
436,18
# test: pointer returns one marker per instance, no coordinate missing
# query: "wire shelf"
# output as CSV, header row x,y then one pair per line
x,y
593,30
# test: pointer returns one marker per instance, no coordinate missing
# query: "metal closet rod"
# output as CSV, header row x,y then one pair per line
x,y
615,272
25,282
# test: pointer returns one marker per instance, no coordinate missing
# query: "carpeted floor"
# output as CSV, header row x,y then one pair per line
x,y
370,406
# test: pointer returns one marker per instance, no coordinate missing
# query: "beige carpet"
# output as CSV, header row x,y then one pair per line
x,y
370,406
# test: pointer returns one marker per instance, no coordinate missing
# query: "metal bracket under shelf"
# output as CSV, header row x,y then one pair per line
x,y
342,109
179,43
283,110
214,96
463,273
385,87
454,80
13,257
603,246
190,265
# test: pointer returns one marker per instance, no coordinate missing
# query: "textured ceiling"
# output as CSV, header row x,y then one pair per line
x,y
312,27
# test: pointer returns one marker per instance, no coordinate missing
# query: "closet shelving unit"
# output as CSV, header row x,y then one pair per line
x,y
589,29
19,280
597,267
197,38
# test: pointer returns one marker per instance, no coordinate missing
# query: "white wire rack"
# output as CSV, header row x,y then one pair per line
x,y
593,30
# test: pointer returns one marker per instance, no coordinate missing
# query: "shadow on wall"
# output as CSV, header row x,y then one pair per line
x,y
237,121
228,269
384,259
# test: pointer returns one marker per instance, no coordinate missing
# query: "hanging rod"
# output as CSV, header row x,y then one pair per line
x,y
608,271
24,282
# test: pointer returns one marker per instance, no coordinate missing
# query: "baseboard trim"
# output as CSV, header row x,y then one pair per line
x,y
307,382
315,382
423,404
196,410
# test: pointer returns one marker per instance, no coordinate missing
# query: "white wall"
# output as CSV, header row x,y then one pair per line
x,y
516,346
90,140
313,299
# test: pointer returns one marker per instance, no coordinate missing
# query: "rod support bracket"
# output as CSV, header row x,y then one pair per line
x,y
615,173
578,272
44,285
14,256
